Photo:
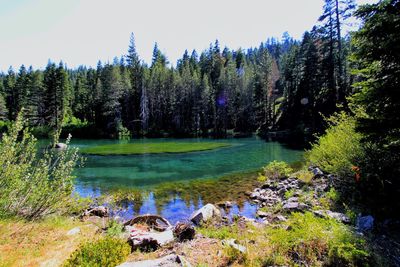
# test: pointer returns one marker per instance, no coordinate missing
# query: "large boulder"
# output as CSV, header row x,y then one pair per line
x,y
148,232
172,260
207,213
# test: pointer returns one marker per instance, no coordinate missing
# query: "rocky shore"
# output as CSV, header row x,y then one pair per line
x,y
276,199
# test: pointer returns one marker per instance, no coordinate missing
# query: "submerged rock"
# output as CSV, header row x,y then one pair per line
x,y
365,223
207,213
172,260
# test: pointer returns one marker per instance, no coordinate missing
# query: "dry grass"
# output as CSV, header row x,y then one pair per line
x,y
43,243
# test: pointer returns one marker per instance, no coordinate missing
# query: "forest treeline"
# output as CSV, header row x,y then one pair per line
x,y
280,85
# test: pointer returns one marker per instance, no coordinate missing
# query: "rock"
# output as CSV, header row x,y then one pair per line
x,y
74,231
146,240
281,218
255,195
365,223
282,191
317,172
293,199
233,243
225,204
263,214
294,206
206,213
152,220
334,215
184,231
60,146
172,260
99,211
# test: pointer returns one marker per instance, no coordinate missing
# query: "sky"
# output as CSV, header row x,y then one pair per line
x,y
82,32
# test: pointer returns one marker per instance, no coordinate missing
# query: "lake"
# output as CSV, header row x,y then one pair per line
x,y
174,185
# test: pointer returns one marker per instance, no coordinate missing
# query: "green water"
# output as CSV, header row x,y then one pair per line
x,y
104,172
148,173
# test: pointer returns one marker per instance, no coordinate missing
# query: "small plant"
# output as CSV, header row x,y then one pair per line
x,y
114,229
103,252
277,169
290,193
304,175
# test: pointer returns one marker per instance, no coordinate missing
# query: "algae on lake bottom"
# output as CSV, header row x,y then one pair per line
x,y
151,148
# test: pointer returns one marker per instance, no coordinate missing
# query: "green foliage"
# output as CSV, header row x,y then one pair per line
x,y
32,186
151,148
114,229
277,169
103,252
123,133
339,149
304,175
377,61
310,240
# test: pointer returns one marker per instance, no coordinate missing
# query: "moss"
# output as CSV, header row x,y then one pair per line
x,y
151,148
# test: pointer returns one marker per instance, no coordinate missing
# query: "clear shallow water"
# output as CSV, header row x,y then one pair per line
x,y
147,172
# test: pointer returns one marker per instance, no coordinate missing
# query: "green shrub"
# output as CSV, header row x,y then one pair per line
x,y
33,184
114,229
103,252
339,149
317,241
304,175
277,169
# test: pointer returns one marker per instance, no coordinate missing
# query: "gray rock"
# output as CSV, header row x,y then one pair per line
x,y
74,231
293,199
225,204
331,214
60,146
233,243
206,213
263,214
99,211
172,260
317,172
148,240
291,206
365,223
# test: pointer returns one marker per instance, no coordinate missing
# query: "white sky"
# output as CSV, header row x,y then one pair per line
x,y
81,32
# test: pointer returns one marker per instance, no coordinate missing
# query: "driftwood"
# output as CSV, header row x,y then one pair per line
x,y
155,222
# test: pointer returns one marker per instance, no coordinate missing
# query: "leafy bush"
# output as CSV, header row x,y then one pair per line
x,y
103,252
304,175
32,186
277,169
114,229
310,240
339,149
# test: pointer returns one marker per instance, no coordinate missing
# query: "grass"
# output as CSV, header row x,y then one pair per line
x,y
44,242
305,240
151,148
